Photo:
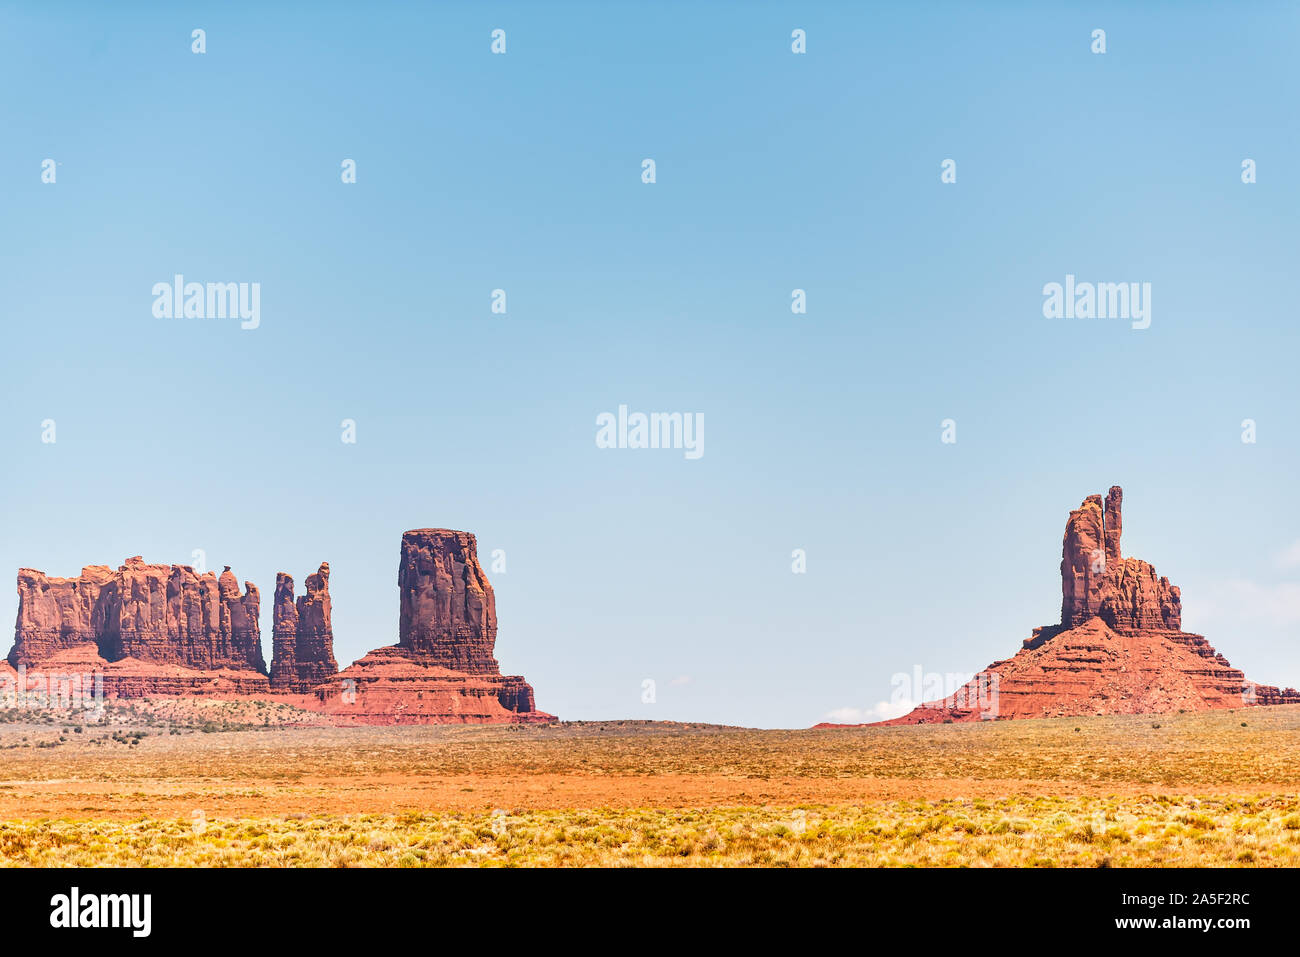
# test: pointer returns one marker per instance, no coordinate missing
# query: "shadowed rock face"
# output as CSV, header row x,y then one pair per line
x,y
284,630
448,609
165,614
303,637
55,614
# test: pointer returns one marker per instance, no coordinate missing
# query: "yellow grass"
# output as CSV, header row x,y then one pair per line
x,y
1152,830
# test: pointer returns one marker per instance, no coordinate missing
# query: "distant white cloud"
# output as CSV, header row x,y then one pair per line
x,y
1236,601
881,711
1289,557
1239,600
681,680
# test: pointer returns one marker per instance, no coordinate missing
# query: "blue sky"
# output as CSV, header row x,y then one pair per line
x,y
775,171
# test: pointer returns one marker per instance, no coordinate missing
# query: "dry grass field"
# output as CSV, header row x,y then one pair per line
x,y
247,785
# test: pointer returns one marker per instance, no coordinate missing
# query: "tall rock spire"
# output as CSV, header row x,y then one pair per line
x,y
284,634
1097,581
303,639
1083,564
1114,523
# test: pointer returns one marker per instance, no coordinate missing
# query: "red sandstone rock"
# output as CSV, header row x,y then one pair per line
x,y
442,669
132,678
59,613
1095,580
1083,563
1113,522
166,614
303,637
284,633
1119,648
448,609
394,685
163,631
1092,669
1271,694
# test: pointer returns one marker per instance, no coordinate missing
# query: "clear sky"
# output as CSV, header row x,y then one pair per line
x,y
774,171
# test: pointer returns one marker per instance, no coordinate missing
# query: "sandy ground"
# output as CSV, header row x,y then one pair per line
x,y
51,770
393,794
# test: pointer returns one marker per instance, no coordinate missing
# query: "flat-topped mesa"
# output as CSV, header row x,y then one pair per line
x,y
448,609
55,614
303,637
162,614
1096,581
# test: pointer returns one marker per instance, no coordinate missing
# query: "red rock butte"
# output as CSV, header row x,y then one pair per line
x,y
1119,647
165,631
442,668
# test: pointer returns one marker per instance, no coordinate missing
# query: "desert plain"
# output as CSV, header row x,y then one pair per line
x,y
250,783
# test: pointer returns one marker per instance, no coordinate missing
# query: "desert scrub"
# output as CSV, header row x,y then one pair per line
x,y
1177,832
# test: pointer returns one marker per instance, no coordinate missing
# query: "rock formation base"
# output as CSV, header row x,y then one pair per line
x,y
1092,670
393,686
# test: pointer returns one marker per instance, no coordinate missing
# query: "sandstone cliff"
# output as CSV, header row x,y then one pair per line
x,y
166,631
164,614
448,609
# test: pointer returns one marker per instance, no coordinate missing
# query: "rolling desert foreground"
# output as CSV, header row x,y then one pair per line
x,y
255,784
